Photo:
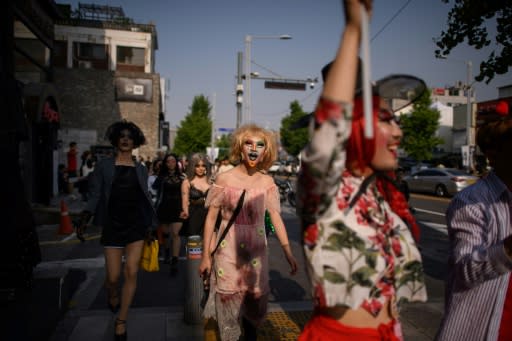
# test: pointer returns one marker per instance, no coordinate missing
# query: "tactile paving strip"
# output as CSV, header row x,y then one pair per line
x,y
285,326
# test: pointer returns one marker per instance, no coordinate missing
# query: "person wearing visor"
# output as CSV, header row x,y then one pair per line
x,y
478,298
361,255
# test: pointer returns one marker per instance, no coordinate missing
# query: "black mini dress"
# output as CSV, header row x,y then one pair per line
x,y
125,222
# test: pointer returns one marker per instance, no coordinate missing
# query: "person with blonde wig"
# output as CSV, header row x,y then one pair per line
x,y
239,276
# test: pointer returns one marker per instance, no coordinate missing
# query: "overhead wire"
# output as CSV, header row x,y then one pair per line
x,y
400,10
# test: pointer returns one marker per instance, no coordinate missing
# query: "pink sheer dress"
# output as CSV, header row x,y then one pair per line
x,y
239,282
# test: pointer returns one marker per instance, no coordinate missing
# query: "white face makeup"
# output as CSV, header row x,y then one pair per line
x,y
253,149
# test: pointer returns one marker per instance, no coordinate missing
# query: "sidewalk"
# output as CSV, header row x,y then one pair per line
x,y
84,318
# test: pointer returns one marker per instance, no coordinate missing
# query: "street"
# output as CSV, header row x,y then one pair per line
x,y
162,292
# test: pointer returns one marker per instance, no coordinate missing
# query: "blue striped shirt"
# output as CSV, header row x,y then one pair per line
x,y
479,218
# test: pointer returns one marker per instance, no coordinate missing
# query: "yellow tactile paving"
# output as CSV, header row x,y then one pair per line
x,y
284,326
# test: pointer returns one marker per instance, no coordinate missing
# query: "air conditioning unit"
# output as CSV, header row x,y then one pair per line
x,y
84,64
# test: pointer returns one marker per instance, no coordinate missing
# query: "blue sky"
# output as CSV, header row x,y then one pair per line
x,y
199,40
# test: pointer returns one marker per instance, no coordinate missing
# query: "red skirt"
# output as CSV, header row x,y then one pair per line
x,y
322,327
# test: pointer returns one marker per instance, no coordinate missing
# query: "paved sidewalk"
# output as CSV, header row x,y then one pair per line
x,y
85,319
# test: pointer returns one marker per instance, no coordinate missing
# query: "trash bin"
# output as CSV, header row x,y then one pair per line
x,y
193,314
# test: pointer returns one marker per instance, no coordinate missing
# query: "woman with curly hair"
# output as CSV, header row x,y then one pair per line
x,y
239,286
121,204
361,255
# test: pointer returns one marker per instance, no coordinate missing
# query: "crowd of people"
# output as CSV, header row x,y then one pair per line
x,y
359,236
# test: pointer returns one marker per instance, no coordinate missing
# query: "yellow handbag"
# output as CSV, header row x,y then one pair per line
x,y
149,259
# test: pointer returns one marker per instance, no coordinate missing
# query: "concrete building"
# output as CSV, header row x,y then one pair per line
x,y
105,71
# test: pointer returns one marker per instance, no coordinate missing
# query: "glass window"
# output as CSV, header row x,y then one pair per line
x,y
60,53
130,55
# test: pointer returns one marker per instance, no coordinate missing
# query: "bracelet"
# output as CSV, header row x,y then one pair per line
x,y
285,245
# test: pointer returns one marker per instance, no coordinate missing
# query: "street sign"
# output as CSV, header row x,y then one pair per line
x,y
225,130
285,85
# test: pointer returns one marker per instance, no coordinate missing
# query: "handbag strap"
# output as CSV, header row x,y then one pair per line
x,y
231,221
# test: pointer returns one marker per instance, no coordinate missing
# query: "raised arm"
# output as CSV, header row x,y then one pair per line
x,y
323,159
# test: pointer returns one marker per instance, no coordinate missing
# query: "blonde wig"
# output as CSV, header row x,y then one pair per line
x,y
193,160
238,139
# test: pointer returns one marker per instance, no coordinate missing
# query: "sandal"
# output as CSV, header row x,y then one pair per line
x,y
123,336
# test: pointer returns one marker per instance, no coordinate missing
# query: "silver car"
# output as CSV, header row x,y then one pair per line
x,y
440,181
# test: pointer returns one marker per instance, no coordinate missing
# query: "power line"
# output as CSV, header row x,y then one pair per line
x,y
390,20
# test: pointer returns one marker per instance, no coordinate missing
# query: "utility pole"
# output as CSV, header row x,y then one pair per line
x,y
239,90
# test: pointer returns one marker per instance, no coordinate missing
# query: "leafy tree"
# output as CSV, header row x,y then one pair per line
x,y
293,140
419,128
223,143
467,20
195,130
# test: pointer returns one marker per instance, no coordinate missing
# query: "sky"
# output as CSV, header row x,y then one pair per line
x,y
198,42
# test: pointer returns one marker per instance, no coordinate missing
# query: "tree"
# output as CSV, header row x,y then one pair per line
x,y
467,20
195,131
223,143
419,128
293,140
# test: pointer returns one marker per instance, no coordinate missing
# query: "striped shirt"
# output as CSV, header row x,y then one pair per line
x,y
479,218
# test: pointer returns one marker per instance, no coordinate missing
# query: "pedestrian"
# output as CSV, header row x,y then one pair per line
x,y
194,190
169,207
86,168
478,297
225,165
121,204
360,254
72,160
239,276
154,169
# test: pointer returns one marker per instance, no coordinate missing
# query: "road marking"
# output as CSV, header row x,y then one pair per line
x,y
438,227
429,212
71,239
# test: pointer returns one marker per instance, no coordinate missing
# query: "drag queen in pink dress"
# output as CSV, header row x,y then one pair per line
x,y
239,274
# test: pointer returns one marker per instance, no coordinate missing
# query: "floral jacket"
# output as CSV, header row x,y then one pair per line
x,y
359,252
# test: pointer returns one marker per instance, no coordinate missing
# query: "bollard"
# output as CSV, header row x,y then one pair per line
x,y
193,314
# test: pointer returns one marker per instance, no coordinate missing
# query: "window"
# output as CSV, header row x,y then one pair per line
x,y
60,53
130,58
88,55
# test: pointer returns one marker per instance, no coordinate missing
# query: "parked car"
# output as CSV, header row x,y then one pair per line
x,y
440,181
276,168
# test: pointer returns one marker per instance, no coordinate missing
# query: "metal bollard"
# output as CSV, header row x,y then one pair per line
x,y
193,314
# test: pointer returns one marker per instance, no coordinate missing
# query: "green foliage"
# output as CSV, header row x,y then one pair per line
x,y
419,128
293,140
195,130
223,143
468,20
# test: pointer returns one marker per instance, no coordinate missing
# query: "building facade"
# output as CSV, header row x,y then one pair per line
x,y
105,71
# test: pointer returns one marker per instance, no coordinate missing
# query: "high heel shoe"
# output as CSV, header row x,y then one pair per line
x,y
113,300
123,336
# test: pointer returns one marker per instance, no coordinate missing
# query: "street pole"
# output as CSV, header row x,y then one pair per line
x,y
247,70
239,90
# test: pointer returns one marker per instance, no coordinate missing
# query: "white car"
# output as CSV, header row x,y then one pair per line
x,y
276,168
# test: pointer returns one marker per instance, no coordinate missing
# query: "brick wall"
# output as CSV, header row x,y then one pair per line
x,y
88,102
